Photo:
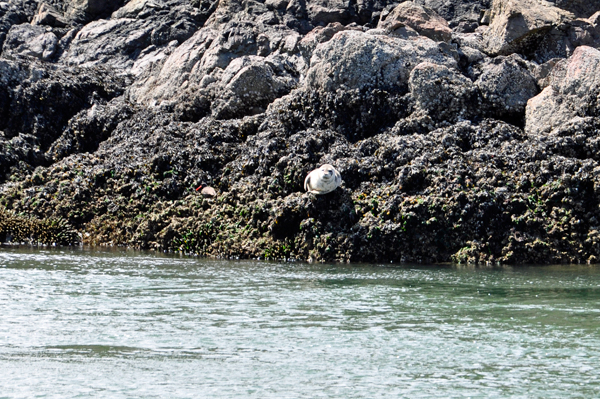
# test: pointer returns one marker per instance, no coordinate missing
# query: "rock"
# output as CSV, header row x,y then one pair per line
x,y
572,93
173,75
442,160
443,93
88,128
506,84
129,44
209,74
345,61
48,15
581,8
30,41
15,13
542,72
133,8
89,10
320,34
562,40
39,100
423,20
520,26
22,149
115,42
458,12
323,12
248,85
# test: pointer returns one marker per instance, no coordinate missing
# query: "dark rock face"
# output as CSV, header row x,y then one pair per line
x,y
456,141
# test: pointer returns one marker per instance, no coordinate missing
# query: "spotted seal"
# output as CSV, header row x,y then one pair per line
x,y
323,180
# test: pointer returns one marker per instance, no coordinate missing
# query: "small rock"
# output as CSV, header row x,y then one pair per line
x,y
206,191
31,40
422,19
48,15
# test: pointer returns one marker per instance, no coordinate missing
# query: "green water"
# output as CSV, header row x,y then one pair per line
x,y
85,324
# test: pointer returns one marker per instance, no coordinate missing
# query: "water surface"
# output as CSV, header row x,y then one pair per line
x,y
116,324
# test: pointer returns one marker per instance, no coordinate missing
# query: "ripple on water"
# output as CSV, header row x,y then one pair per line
x,y
120,324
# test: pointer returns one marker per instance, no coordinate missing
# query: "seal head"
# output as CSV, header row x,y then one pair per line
x,y
323,180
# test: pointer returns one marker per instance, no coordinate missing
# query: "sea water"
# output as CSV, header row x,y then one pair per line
x,y
121,324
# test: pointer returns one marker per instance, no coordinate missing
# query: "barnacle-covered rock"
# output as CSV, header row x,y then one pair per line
x,y
109,132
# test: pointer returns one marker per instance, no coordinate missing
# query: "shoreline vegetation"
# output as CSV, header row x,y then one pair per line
x,y
466,134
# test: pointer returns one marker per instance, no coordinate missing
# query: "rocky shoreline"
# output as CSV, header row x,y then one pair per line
x,y
464,131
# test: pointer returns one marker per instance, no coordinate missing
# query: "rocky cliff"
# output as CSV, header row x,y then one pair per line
x,y
464,131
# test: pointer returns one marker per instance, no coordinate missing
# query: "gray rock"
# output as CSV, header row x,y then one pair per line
x,y
89,10
506,84
37,99
124,43
542,72
458,11
356,60
422,19
15,12
322,12
320,34
133,8
572,93
130,44
443,93
48,15
115,42
519,26
562,40
581,8
30,41
211,73
163,83
247,86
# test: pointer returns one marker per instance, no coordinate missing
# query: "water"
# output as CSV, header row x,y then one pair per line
x,y
85,324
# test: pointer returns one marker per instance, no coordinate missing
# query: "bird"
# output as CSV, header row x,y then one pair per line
x,y
323,180
206,190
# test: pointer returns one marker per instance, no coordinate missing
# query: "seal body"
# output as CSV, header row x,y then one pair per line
x,y
323,180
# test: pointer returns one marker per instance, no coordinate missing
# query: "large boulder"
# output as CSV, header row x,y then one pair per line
x,y
329,11
214,72
138,34
248,85
573,93
422,19
562,40
518,26
173,75
115,42
15,13
357,60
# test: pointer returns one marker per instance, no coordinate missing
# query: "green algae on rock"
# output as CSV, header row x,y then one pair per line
x,y
18,229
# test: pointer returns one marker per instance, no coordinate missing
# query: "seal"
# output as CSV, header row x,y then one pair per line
x,y
323,180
